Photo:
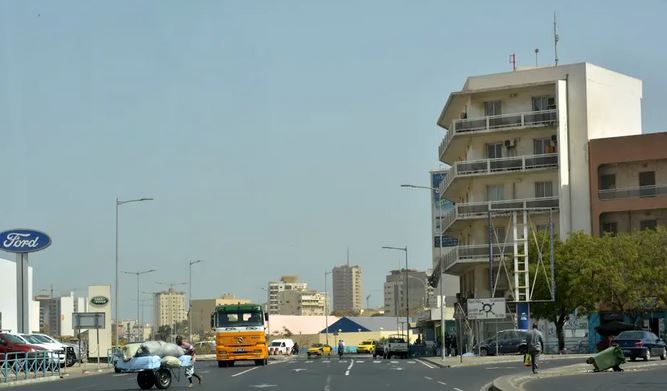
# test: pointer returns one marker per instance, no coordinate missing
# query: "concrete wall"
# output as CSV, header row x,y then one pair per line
x,y
8,304
105,333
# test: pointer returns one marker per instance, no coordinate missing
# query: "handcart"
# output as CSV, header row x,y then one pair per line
x,y
151,372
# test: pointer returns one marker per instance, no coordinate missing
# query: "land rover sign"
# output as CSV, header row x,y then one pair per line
x,y
99,300
23,241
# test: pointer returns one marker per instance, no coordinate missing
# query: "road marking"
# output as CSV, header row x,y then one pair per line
x,y
297,370
428,378
393,362
411,362
347,373
264,385
246,371
397,368
442,383
308,362
425,364
457,389
360,362
327,387
376,361
342,361
326,361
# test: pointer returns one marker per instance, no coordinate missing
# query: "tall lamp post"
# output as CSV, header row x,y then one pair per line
x,y
407,296
326,307
440,279
119,203
138,292
190,298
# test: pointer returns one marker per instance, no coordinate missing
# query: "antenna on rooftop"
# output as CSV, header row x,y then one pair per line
x,y
556,39
537,51
513,61
348,255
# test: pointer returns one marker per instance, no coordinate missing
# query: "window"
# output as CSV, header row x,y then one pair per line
x,y
494,151
492,108
542,146
607,181
545,102
647,184
495,192
544,189
611,228
648,224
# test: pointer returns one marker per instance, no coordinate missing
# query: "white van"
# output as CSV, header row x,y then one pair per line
x,y
281,346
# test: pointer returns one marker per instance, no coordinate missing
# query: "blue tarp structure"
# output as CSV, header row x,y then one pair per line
x,y
354,324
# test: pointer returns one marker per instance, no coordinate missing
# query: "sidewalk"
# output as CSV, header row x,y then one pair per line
x,y
516,382
69,373
454,362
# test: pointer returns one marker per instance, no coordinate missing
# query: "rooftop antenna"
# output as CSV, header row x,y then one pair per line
x,y
537,51
367,301
348,256
556,39
513,61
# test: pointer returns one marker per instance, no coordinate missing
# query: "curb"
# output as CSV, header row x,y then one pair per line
x,y
475,361
64,376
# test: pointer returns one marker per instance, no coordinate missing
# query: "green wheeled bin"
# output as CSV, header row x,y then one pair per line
x,y
611,357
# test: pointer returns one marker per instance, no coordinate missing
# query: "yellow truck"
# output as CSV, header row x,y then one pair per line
x,y
240,334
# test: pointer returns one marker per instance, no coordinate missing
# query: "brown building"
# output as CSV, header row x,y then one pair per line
x,y
628,183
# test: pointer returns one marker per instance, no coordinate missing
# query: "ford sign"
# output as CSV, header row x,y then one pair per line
x,y
99,300
23,241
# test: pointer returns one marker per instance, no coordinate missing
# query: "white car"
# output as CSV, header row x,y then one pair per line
x,y
73,352
281,346
59,350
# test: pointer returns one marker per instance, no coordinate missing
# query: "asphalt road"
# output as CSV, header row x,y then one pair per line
x,y
353,373
654,379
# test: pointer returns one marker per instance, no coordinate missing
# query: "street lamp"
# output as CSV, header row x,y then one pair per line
x,y
407,296
190,298
326,307
440,279
119,203
138,294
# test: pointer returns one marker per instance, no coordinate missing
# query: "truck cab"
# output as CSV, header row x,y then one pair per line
x,y
240,334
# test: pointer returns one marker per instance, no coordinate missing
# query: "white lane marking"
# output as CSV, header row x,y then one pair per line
x,y
397,368
428,378
393,362
263,385
411,362
425,364
360,362
347,373
297,370
376,361
309,362
342,361
326,361
327,387
457,389
443,383
246,371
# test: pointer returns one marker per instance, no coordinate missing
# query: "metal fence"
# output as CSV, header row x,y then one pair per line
x,y
31,365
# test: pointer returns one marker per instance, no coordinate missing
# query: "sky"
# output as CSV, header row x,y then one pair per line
x,y
273,135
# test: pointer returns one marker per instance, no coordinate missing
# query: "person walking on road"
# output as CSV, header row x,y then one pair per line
x,y
341,349
189,351
535,343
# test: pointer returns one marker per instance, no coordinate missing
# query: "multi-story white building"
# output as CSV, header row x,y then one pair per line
x,y
286,283
516,142
306,303
347,289
170,308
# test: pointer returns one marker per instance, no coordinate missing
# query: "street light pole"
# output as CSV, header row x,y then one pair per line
x,y
326,307
407,295
138,292
119,203
190,299
441,266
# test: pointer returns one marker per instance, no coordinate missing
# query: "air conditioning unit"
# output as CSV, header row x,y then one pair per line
x,y
510,143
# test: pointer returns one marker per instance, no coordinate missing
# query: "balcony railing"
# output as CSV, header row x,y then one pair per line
x,y
481,209
633,192
479,251
496,122
491,166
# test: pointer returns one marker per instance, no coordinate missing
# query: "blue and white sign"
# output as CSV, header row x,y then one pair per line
x,y
23,241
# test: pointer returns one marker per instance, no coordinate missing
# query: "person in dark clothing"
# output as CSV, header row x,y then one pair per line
x,y
189,351
535,342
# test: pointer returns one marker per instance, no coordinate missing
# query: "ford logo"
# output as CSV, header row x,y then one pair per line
x,y
99,300
23,241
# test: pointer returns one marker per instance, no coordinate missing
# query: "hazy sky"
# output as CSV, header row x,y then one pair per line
x,y
272,134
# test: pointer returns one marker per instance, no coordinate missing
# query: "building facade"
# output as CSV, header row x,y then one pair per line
x,y
203,308
419,292
8,307
169,307
286,283
55,313
347,289
628,183
305,303
516,143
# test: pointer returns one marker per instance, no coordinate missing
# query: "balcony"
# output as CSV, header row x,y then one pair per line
x,y
477,210
633,192
457,259
468,168
494,123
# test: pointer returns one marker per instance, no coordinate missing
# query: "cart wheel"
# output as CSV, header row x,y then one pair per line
x,y
162,379
146,380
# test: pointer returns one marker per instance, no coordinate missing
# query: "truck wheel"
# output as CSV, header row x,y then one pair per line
x,y
261,362
221,364
146,380
230,363
162,379
483,352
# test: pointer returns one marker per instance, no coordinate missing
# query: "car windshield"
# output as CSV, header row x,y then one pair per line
x,y
240,319
316,345
43,338
275,343
396,340
14,338
367,343
32,339
631,335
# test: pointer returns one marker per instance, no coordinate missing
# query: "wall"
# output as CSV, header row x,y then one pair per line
x,y
105,333
8,304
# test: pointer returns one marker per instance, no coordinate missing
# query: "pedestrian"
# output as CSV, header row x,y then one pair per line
x,y
189,351
535,344
295,349
341,348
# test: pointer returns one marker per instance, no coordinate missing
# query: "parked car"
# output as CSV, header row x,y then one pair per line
x,y
281,346
319,350
640,343
509,342
56,347
12,343
366,347
395,346
378,351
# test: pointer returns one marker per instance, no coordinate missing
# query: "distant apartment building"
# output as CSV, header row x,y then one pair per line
x,y
55,313
169,307
517,146
628,178
306,303
203,308
347,289
286,283
419,292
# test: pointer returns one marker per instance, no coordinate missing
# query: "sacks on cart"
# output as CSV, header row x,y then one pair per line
x,y
160,349
176,362
139,363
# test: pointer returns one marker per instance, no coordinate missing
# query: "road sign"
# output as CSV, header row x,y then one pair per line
x,y
486,308
88,320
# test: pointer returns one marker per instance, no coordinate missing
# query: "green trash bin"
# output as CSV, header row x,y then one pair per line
x,y
611,357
